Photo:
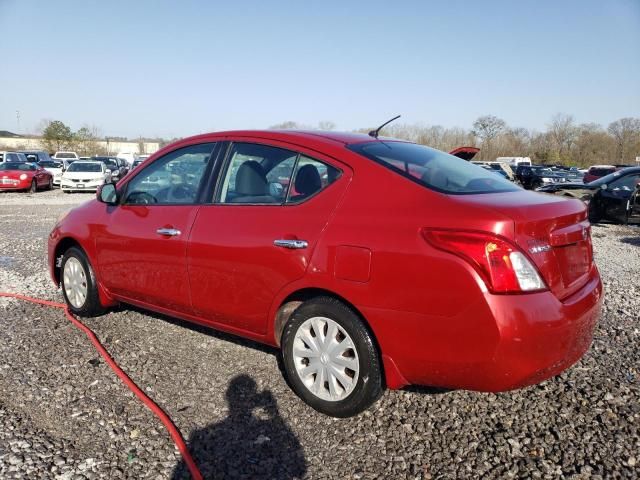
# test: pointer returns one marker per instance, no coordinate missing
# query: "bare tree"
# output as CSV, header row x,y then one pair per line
x,y
563,132
487,128
326,125
626,133
288,125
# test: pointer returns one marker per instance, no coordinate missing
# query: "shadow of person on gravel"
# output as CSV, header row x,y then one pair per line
x,y
252,442
631,241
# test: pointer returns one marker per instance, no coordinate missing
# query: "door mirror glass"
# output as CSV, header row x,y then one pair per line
x,y
108,194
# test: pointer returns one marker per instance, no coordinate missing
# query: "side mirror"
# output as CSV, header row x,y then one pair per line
x,y
108,194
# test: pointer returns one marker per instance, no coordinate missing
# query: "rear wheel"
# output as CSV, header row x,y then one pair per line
x,y
50,185
330,358
79,286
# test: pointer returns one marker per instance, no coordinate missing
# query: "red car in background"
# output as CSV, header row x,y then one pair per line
x,y
24,176
597,171
369,262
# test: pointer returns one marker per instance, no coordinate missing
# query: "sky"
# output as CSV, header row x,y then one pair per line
x,y
173,69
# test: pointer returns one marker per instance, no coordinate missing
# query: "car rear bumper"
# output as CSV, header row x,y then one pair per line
x,y
510,342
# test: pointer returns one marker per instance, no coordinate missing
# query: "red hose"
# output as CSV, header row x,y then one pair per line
x,y
164,418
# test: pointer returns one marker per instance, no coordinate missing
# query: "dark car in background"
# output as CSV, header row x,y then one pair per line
x,y
36,156
118,166
535,176
611,197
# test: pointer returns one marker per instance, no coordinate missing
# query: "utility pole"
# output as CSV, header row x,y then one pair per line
x,y
18,120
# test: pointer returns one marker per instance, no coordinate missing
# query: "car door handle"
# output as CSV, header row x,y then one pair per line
x,y
293,244
169,232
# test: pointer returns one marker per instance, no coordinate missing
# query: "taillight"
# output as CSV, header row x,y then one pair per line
x,y
503,267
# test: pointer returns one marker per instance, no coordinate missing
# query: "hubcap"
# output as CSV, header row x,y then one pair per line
x,y
75,282
326,359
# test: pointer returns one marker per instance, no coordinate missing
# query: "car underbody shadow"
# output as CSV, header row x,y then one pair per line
x,y
253,441
424,390
631,240
210,331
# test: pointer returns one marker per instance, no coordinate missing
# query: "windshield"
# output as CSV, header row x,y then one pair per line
x,y
17,166
48,164
65,155
85,167
434,169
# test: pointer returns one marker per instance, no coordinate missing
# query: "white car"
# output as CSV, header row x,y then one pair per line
x,y
84,176
65,155
54,168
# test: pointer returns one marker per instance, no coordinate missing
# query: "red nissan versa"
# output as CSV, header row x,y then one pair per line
x,y
371,263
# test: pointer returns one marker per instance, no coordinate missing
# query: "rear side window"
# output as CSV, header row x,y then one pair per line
x,y
434,169
311,176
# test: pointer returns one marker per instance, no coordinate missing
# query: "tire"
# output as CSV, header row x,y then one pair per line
x,y
355,347
50,185
76,276
34,186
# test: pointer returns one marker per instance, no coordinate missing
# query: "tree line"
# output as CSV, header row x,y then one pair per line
x,y
563,142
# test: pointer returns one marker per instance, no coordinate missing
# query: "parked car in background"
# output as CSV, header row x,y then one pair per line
x,y
504,168
534,176
514,161
66,162
24,176
129,157
66,156
497,171
36,156
597,171
459,279
117,166
137,163
83,176
633,208
54,168
13,157
465,153
608,197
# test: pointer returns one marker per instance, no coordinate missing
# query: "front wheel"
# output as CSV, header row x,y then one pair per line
x,y
34,186
79,285
50,184
330,358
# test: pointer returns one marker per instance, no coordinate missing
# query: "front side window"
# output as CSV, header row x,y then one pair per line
x,y
433,169
172,179
627,183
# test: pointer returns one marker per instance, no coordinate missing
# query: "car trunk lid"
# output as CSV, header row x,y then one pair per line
x,y
552,231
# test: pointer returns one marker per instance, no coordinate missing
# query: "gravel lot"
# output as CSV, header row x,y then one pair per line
x,y
64,414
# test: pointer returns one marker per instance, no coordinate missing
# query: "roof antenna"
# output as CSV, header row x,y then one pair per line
x,y
374,133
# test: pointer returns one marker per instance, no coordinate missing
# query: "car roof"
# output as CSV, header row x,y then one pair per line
x,y
326,137
87,161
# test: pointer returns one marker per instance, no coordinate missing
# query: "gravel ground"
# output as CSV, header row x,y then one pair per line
x,y
64,415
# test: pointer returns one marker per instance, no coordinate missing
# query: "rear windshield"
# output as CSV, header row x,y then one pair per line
x,y
434,169
17,166
601,171
65,155
607,179
85,167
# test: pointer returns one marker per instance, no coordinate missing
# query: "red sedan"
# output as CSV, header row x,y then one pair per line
x,y
370,263
24,176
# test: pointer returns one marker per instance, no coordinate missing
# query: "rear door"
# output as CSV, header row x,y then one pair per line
x,y
259,233
141,253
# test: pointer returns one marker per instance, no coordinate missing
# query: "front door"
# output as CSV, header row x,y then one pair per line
x,y
616,197
141,254
260,232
